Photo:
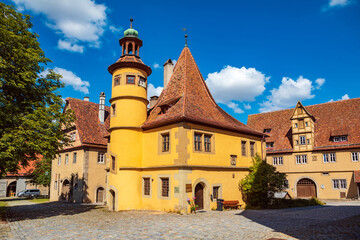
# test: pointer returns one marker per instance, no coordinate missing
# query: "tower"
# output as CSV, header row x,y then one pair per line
x,y
128,112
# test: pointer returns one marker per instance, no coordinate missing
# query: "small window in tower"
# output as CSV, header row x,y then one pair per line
x,y
142,82
295,125
197,141
117,79
207,143
267,130
113,108
130,79
165,142
113,163
306,124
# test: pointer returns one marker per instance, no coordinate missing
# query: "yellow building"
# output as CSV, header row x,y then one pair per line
x,y
185,146
78,174
317,146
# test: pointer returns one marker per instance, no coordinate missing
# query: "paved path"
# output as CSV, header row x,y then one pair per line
x,y
70,221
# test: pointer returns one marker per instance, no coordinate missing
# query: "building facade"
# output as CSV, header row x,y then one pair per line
x,y
317,146
185,146
79,170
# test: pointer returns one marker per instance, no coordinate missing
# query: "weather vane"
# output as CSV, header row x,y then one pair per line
x,y
131,20
184,29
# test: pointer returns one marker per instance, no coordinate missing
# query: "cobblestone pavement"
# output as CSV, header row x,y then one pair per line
x,y
336,220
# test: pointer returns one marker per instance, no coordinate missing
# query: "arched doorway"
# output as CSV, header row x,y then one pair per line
x,y
11,189
306,188
100,195
199,196
65,190
112,200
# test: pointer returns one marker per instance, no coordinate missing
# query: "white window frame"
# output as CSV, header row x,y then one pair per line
x,y
355,156
275,161
339,183
302,140
326,158
301,159
101,158
59,160
332,157
66,159
278,160
74,157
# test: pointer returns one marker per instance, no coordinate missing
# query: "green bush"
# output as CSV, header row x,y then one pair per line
x,y
290,203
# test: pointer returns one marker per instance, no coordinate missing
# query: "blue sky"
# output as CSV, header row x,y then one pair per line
x,y
255,55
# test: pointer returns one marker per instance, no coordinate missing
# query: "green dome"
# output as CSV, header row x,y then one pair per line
x,y
130,33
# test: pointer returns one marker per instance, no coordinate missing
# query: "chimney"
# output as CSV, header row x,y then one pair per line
x,y
168,70
102,107
86,99
153,100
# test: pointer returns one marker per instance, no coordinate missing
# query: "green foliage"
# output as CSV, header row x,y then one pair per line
x,y
3,210
42,172
31,115
259,185
290,203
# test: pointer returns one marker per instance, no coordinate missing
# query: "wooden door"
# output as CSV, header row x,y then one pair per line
x,y
306,188
199,194
100,195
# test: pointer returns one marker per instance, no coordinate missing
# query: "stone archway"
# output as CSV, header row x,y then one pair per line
x,y
199,196
112,202
65,190
11,189
306,188
100,194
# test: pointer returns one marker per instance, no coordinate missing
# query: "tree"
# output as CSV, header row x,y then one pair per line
x,y
31,115
42,172
261,183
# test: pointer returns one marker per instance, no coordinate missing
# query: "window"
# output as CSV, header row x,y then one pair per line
x,y
207,143
216,192
306,124
295,125
301,159
55,185
117,79
329,157
67,159
165,187
74,157
252,149
339,183
101,158
146,186
302,140
233,160
308,141
355,156
130,79
142,82
165,142
113,108
243,148
113,162
340,138
59,160
297,142
267,130
73,136
269,144
197,141
278,161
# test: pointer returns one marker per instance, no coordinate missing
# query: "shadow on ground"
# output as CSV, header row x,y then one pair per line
x,y
315,222
45,210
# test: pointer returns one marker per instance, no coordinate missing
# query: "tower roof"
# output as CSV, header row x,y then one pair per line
x,y
186,98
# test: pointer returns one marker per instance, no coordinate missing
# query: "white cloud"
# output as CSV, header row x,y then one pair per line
x,y
72,47
156,65
289,92
70,79
319,82
345,97
80,21
239,84
153,91
174,61
247,106
341,3
235,107
115,29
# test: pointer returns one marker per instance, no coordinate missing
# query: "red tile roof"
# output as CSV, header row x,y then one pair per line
x,y
90,130
331,119
189,100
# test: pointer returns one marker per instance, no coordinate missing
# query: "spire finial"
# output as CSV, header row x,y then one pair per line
x,y
186,36
131,20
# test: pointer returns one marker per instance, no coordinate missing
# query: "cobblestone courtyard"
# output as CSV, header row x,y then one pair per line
x,y
69,221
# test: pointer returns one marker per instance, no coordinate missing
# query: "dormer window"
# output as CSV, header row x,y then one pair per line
x,y
164,109
295,125
267,130
306,124
72,136
269,144
340,138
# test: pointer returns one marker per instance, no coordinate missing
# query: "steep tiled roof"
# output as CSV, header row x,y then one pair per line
x,y
331,119
187,98
90,130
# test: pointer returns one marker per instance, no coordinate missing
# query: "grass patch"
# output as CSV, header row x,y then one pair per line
x,y
39,200
288,203
3,206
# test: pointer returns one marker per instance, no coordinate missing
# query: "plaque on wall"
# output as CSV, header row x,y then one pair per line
x,y
188,187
